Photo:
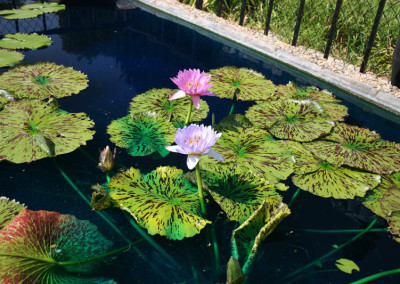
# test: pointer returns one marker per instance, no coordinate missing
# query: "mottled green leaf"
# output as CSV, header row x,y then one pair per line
x,y
5,98
238,193
295,92
142,135
248,236
101,199
359,148
233,121
394,225
24,41
306,162
48,247
43,80
28,126
251,85
9,209
294,120
346,265
9,58
156,100
337,112
163,201
251,149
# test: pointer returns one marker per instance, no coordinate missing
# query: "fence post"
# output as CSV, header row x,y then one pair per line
x,y
298,22
269,13
199,4
219,8
333,28
395,80
372,35
242,11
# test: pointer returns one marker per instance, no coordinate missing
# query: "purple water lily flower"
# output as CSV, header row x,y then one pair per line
x,y
193,83
194,141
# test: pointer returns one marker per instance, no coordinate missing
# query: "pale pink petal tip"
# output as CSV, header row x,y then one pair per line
x,y
177,95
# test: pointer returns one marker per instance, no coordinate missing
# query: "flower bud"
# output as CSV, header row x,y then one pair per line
x,y
106,159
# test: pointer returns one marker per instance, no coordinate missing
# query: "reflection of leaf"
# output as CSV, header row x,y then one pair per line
x,y
346,265
45,247
9,209
302,121
10,58
248,236
30,130
43,80
24,41
142,135
252,85
163,201
156,100
359,148
232,121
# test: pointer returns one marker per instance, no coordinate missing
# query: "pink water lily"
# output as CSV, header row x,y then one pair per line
x,y
193,83
194,141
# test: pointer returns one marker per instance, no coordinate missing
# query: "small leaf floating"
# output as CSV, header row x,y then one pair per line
x,y
24,41
10,58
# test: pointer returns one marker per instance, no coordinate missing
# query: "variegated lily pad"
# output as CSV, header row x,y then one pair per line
x,y
43,80
156,100
5,98
10,58
24,41
251,149
239,193
9,209
359,148
248,84
44,247
248,236
31,130
143,134
305,161
32,10
163,201
394,225
302,121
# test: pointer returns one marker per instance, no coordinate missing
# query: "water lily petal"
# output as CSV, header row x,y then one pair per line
x,y
177,95
196,101
192,161
215,155
207,93
175,148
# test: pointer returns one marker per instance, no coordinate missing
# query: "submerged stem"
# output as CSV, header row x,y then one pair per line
x,y
294,196
200,188
376,276
234,100
189,112
342,231
332,251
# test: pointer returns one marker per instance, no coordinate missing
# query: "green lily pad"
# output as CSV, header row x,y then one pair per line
x,y
10,58
43,80
301,121
163,201
394,225
306,162
31,130
248,84
248,236
156,100
45,7
252,149
233,121
346,265
9,209
239,193
24,41
19,14
385,198
142,135
48,247
295,92
359,148
5,98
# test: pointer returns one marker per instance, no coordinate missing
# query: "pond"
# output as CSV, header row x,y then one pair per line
x,y
125,53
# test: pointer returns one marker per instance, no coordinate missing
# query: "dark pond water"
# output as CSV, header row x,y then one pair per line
x,y
127,52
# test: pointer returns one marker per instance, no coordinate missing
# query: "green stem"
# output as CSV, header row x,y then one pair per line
x,y
294,196
212,119
189,112
200,187
108,177
376,276
318,260
342,231
234,100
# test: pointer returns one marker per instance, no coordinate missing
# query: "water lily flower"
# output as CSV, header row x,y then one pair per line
x,y
193,83
194,141
106,159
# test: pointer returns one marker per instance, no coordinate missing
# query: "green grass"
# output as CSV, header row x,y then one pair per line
x,y
353,28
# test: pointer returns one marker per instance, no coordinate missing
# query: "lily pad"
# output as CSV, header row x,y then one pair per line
x,y
239,193
163,201
9,209
45,7
48,247
142,135
301,121
248,84
156,100
248,236
359,148
306,162
346,265
10,58
100,198
252,149
43,80
24,41
31,130
394,225
19,14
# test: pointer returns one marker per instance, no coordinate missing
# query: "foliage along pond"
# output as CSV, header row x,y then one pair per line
x,y
209,171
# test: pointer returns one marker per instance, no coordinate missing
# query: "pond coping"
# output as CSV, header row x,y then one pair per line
x,y
213,26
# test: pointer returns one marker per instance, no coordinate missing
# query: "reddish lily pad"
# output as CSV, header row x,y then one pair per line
x,y
9,209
